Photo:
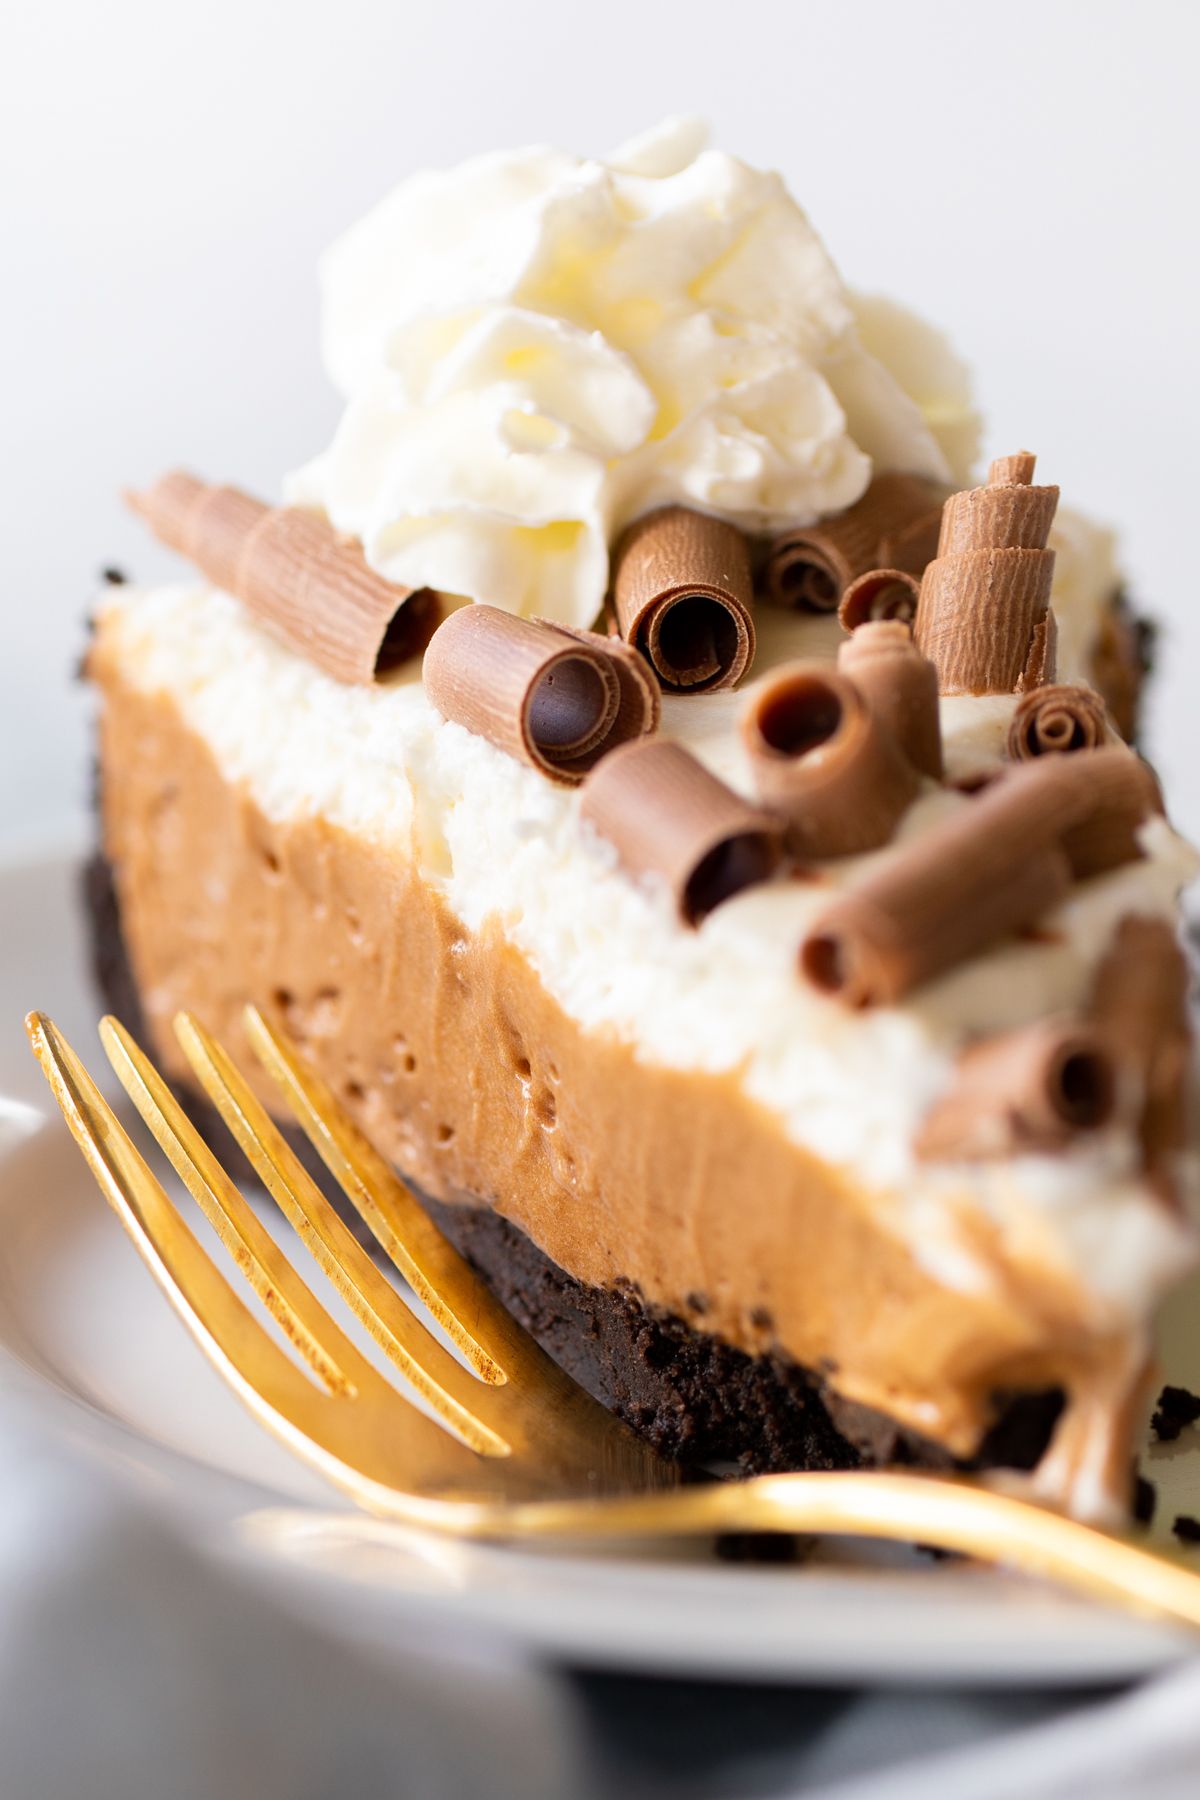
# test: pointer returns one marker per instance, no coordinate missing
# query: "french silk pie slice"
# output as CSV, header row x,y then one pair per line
x,y
689,821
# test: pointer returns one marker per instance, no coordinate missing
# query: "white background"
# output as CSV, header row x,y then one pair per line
x,y
1024,174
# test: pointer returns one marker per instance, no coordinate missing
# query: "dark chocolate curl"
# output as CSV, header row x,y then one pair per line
x,y
305,584
894,524
900,688
1029,1090
683,595
825,762
983,613
879,594
1003,859
1140,1001
558,700
1057,719
670,819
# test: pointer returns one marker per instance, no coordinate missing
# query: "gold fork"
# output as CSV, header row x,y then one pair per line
x,y
515,1449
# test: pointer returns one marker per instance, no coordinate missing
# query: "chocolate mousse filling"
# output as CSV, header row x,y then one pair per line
x,y
694,1397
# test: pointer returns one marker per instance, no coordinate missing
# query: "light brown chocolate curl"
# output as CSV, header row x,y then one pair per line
x,y
640,696
879,594
307,586
983,613
895,523
1017,468
556,699
1113,792
979,518
1057,719
900,688
1041,665
1004,858
669,818
824,762
1027,1090
683,595
1140,1001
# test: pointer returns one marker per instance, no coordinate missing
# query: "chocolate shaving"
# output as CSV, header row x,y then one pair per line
x,y
879,594
1140,1000
670,819
1056,720
1041,665
825,762
639,707
986,595
1017,468
900,687
1004,858
309,587
894,524
1033,1089
554,698
683,594
1121,660
1115,793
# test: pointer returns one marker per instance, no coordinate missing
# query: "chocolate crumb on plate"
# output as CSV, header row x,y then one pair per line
x,y
1187,1529
1177,1407
1145,1499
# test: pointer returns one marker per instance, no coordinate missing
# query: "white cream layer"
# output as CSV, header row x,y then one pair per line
x,y
504,847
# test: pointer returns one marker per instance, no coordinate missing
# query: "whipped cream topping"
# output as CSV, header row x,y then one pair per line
x,y
505,849
535,348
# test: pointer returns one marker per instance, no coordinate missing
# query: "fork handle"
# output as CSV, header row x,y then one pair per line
x,y
944,1512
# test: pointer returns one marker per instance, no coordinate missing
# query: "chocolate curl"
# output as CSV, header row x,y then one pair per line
x,y
879,594
1140,1000
1017,469
556,699
639,708
307,586
682,593
1027,1090
895,523
669,818
1114,793
987,593
1120,663
1041,665
900,688
825,762
991,869
1057,719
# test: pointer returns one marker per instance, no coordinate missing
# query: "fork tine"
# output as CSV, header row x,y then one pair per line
x,y
433,1268
287,1298
219,1320
450,1389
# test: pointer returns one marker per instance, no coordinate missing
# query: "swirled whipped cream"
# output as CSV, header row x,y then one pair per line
x,y
535,348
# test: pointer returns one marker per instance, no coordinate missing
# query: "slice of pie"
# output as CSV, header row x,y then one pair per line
x,y
750,934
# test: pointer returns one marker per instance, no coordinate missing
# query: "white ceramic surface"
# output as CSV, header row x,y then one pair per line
x,y
86,1340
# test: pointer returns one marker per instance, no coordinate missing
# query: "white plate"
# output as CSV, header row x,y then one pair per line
x,y
85,1333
